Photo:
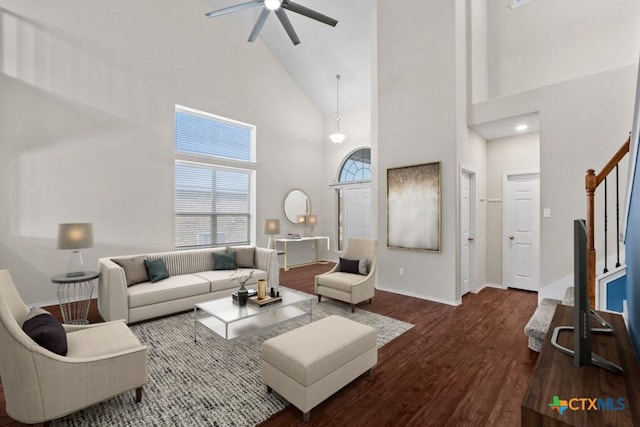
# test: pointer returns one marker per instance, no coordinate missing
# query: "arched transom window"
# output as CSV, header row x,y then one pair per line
x,y
357,167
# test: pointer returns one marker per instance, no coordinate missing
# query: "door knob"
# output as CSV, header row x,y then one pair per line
x,y
512,237
470,239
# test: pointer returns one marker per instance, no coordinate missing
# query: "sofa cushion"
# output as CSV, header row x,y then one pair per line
x,y
134,269
171,288
244,255
224,279
225,261
46,331
157,270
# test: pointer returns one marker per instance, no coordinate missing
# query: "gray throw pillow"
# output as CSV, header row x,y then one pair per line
x,y
363,268
134,269
224,261
244,255
157,270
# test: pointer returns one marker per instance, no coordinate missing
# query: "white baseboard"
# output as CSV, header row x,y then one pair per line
x,y
419,296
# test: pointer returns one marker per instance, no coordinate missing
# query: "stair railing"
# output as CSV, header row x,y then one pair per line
x,y
592,181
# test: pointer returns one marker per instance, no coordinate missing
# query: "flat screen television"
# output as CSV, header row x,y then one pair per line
x,y
583,315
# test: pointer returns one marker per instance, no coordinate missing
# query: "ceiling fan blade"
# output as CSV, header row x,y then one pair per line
x,y
284,20
236,8
259,24
309,13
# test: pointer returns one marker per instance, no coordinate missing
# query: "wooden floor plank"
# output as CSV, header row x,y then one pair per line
x,y
464,365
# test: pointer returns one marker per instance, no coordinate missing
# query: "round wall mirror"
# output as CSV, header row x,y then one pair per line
x,y
296,202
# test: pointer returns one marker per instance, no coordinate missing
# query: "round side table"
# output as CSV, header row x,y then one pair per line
x,y
74,294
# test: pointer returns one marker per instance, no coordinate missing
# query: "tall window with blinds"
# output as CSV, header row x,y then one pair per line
x,y
213,180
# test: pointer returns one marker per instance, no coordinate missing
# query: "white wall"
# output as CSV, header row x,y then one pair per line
x,y
86,124
418,119
511,154
583,122
549,41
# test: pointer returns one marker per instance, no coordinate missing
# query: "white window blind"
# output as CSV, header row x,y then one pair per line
x,y
208,135
212,202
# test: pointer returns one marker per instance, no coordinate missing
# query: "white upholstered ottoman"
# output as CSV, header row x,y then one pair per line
x,y
310,363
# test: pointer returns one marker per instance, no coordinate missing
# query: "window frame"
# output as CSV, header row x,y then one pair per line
x,y
217,163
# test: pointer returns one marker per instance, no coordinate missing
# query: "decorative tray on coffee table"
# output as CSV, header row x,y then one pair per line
x,y
264,301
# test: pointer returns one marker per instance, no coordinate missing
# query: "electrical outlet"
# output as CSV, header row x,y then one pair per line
x,y
401,271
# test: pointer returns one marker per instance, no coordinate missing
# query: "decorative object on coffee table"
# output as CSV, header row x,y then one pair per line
x,y
262,289
256,300
243,294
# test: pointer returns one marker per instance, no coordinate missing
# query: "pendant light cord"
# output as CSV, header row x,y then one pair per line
x,y
338,103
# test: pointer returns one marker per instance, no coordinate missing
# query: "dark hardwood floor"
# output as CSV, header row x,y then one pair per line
x,y
459,366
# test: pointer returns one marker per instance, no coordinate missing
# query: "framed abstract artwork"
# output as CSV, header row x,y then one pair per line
x,y
414,207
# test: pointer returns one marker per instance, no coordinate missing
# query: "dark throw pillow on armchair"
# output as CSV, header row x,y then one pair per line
x,y
46,331
349,265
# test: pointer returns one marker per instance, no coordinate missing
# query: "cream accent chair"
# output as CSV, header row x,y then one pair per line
x,y
349,287
103,360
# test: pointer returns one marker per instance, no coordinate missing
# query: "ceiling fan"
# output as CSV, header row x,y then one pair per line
x,y
278,6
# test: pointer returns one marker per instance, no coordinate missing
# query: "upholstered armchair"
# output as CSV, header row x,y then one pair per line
x,y
102,360
346,284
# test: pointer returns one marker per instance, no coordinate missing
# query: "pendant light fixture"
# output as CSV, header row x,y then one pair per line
x,y
337,137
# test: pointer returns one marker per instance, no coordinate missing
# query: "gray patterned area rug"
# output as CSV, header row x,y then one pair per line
x,y
189,384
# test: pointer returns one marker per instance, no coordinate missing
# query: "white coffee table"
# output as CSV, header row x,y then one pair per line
x,y
225,318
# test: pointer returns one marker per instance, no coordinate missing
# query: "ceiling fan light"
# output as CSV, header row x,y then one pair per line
x,y
337,137
272,4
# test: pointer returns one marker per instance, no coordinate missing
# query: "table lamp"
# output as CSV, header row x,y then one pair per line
x,y
312,220
75,236
271,228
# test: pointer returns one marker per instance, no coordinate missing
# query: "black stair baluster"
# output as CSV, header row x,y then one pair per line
x,y
605,225
617,221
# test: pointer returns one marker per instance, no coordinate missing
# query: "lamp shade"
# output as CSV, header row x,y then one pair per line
x,y
271,226
301,219
75,235
312,219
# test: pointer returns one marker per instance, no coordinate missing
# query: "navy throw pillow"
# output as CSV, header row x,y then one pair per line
x,y
157,270
225,261
349,265
46,331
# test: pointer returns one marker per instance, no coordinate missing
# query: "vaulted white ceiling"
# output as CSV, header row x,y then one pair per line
x,y
324,51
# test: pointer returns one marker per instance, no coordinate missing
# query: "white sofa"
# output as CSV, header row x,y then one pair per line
x,y
192,279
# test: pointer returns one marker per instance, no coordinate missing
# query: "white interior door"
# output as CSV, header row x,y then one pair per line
x,y
467,232
358,213
521,243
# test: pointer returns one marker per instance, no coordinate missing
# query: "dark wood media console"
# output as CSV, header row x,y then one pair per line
x,y
555,375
